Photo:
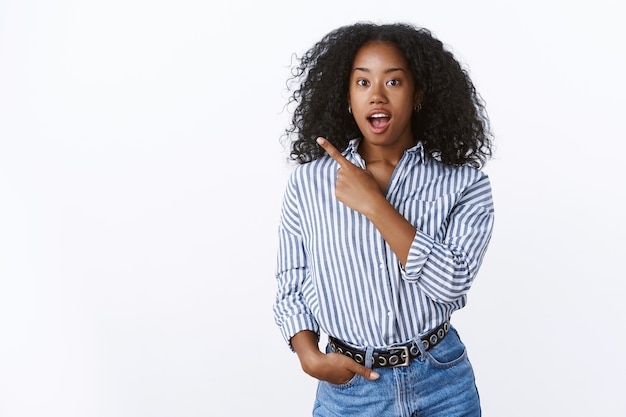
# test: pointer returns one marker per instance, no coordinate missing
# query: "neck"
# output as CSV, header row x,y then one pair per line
x,y
379,153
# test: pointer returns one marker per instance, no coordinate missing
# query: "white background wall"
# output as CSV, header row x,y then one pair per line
x,y
140,182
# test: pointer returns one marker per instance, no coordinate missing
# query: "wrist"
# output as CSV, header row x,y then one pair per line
x,y
305,343
310,360
376,207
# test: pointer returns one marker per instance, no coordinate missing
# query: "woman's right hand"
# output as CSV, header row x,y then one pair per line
x,y
331,367
335,368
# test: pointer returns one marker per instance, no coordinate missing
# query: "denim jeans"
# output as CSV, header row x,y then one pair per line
x,y
440,382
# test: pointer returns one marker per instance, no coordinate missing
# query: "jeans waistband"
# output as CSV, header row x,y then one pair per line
x,y
395,355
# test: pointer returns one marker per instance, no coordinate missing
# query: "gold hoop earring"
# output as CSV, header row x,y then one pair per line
x,y
349,109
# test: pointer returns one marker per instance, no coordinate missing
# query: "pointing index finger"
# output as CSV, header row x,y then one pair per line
x,y
333,152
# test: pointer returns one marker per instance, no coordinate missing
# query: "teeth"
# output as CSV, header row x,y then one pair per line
x,y
378,115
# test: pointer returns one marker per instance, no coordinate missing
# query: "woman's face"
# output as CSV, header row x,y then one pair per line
x,y
382,95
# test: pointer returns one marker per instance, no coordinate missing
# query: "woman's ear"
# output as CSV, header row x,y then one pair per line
x,y
418,98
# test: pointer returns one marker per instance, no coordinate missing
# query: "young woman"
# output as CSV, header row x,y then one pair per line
x,y
385,222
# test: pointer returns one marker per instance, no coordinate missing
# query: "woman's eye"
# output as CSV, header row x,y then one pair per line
x,y
393,82
362,83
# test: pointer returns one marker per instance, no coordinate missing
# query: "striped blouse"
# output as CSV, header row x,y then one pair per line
x,y
338,276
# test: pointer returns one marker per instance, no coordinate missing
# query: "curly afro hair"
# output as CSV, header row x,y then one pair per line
x,y
452,124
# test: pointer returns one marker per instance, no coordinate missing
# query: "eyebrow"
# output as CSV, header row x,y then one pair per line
x,y
387,71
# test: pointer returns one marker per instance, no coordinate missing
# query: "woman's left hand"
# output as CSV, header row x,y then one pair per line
x,y
355,187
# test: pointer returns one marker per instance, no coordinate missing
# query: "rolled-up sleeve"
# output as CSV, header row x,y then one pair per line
x,y
290,310
446,269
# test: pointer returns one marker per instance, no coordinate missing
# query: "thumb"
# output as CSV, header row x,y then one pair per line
x,y
365,372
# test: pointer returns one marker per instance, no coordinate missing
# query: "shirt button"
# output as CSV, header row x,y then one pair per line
x,y
381,266
389,314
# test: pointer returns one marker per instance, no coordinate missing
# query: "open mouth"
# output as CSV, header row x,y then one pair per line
x,y
378,121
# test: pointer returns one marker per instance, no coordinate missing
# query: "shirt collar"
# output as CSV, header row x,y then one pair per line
x,y
417,150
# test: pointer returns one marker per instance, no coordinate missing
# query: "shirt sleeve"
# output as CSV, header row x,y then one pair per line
x,y
446,269
290,310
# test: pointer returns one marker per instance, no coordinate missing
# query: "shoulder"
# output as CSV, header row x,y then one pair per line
x,y
471,173
476,186
462,180
467,173
307,172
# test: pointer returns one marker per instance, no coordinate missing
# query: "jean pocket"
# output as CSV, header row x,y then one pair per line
x,y
447,353
347,384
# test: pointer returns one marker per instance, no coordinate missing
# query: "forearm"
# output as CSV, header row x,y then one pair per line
x,y
395,229
305,344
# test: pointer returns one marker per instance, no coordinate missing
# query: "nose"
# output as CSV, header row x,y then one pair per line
x,y
377,94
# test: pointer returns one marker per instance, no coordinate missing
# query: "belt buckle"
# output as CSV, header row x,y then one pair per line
x,y
407,356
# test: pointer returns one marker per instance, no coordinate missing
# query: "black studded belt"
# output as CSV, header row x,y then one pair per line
x,y
392,356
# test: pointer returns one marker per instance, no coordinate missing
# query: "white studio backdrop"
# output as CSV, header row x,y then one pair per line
x,y
141,176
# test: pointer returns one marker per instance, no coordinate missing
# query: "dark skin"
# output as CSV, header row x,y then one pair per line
x,y
382,97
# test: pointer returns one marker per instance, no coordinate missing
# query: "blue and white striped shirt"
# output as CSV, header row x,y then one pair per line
x,y
337,275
